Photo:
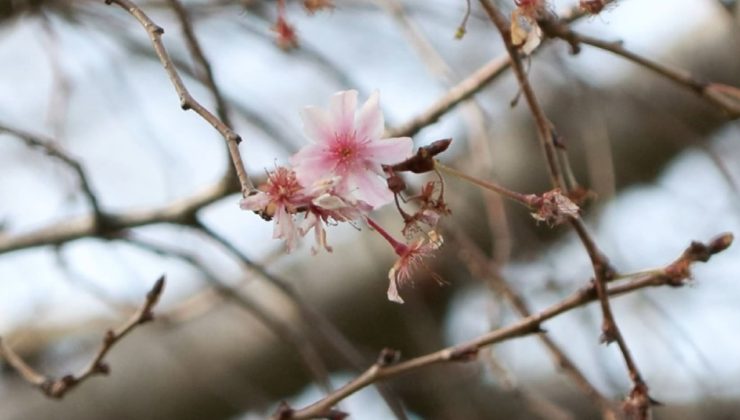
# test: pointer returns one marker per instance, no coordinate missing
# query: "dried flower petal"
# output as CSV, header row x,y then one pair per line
x,y
313,6
554,208
410,256
278,199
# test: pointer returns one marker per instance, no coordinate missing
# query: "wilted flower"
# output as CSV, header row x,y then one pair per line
x,y
554,208
278,198
348,145
328,207
526,34
409,257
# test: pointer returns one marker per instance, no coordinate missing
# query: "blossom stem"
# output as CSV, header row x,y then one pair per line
x,y
528,200
398,247
646,272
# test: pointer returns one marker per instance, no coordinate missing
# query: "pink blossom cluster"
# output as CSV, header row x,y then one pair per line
x,y
337,177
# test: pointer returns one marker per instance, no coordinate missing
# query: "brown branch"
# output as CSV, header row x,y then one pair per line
x,y
179,212
186,99
711,92
480,266
467,87
638,403
58,387
205,71
453,96
544,126
675,274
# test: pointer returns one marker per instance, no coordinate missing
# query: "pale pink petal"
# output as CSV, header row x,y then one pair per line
x,y
255,202
389,151
370,188
312,163
370,124
285,229
317,125
342,109
308,222
393,295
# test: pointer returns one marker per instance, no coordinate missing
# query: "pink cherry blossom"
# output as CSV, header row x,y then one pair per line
x,y
347,144
282,197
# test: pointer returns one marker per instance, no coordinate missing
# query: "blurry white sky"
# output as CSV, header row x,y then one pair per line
x,y
124,151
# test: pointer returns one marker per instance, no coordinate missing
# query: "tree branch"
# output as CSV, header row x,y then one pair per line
x,y
58,387
727,98
186,99
674,274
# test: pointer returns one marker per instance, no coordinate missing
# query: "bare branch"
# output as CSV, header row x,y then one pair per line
x,y
479,265
711,92
467,351
58,387
186,99
467,87
180,212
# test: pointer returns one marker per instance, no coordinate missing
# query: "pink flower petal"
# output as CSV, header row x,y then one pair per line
x,y
370,188
342,109
255,202
389,151
317,125
285,228
393,295
312,163
370,124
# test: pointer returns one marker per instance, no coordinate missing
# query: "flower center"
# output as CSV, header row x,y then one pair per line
x,y
345,149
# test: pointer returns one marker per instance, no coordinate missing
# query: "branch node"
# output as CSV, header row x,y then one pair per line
x,y
388,357
465,353
102,368
637,404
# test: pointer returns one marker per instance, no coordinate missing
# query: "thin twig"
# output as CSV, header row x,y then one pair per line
x,y
204,71
708,91
639,400
544,126
675,274
480,266
306,349
180,211
187,101
58,387
638,403
525,199
468,87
